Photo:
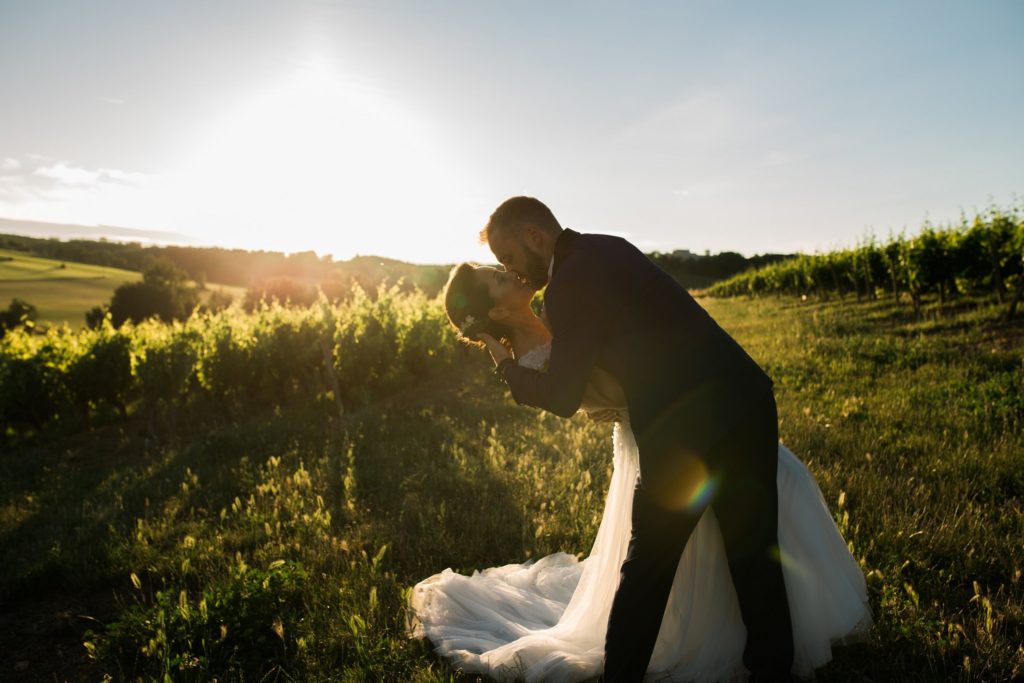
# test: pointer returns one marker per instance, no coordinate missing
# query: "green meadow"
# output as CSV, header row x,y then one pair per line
x,y
62,291
282,478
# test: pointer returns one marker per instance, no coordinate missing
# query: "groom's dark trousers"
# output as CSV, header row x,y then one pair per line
x,y
738,476
704,418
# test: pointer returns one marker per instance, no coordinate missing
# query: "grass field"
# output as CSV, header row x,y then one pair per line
x,y
64,291
281,545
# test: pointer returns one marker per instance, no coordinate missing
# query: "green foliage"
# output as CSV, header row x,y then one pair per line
x,y
18,314
222,364
164,273
282,290
249,620
984,257
103,372
166,371
162,294
95,315
695,271
217,301
266,535
33,392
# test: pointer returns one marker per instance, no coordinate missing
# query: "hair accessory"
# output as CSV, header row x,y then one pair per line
x,y
466,322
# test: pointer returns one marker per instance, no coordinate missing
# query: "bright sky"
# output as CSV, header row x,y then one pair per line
x,y
395,128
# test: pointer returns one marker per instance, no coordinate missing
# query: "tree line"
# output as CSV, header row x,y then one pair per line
x,y
236,267
302,272
702,271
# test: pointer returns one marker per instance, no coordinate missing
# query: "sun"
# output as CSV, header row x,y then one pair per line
x,y
323,162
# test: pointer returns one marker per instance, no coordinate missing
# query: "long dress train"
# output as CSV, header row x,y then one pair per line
x,y
546,619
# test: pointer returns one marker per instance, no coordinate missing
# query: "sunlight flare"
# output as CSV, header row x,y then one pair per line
x,y
321,162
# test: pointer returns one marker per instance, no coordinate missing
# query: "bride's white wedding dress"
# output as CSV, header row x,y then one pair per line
x,y
546,620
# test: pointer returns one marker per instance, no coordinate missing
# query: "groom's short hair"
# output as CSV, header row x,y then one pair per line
x,y
516,212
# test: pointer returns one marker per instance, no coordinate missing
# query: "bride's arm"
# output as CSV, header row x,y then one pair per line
x,y
603,398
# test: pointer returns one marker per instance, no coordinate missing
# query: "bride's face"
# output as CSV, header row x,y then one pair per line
x,y
507,291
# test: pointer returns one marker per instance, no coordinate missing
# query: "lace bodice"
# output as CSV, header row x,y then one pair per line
x,y
536,358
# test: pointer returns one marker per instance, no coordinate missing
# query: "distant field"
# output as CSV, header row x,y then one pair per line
x,y
65,293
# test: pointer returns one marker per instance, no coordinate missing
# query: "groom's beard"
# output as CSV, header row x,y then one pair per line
x,y
536,269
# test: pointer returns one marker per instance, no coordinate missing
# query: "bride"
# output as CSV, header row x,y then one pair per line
x,y
546,620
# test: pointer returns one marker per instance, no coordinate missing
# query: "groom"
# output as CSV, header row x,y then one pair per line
x,y
701,409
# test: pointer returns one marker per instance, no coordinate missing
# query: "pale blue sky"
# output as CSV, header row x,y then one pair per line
x,y
395,128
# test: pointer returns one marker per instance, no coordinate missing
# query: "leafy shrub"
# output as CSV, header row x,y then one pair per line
x,y
283,290
161,294
166,370
103,373
366,345
229,362
217,301
32,384
18,314
94,316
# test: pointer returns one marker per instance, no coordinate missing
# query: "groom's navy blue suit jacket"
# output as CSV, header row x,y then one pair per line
x,y
687,382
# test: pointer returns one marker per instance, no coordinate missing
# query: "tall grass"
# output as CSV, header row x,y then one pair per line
x,y
249,522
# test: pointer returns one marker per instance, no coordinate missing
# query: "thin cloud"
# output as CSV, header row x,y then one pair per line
x,y
39,177
69,174
64,174
709,120
37,187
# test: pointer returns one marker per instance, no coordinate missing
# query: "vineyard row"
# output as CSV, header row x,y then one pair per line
x,y
981,257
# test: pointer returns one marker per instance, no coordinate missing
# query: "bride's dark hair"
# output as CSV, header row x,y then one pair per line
x,y
467,299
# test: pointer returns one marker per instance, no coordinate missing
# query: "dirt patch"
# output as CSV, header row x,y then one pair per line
x,y
41,639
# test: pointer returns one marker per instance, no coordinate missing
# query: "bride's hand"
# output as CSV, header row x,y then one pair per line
x,y
498,350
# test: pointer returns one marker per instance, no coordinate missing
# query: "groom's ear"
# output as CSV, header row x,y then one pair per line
x,y
533,236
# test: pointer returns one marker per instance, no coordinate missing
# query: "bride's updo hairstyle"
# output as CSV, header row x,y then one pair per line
x,y
467,302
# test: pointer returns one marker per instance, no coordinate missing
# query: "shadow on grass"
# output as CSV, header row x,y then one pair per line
x,y
70,504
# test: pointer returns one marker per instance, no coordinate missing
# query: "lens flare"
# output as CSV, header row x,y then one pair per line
x,y
687,485
786,560
702,494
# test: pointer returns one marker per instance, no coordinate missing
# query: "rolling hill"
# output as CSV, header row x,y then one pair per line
x,y
63,291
